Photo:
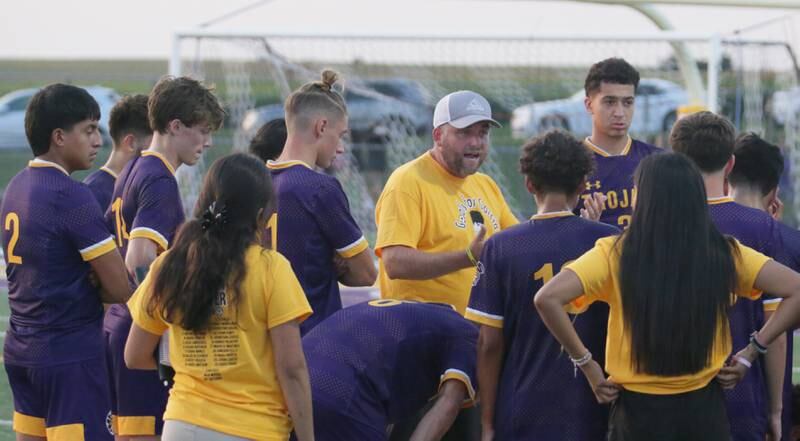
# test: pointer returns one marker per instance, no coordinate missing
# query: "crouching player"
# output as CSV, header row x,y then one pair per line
x,y
380,362
54,238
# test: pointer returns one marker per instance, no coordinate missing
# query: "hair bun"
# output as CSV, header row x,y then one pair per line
x,y
329,78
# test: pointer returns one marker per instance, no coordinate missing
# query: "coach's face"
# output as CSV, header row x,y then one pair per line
x,y
612,109
461,151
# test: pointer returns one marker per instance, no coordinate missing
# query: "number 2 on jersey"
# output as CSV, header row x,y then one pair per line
x,y
12,224
122,229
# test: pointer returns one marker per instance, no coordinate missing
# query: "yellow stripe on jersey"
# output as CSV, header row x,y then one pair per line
x,y
484,318
161,157
552,214
28,425
149,233
100,248
109,171
720,200
597,149
136,425
354,248
456,374
37,162
67,432
771,305
279,165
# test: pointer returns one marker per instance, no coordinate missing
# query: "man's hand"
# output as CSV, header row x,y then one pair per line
x,y
593,206
476,247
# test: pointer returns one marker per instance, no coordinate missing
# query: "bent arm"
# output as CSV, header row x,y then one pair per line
x,y
775,371
290,365
112,276
491,348
779,281
438,420
358,270
403,262
141,253
140,349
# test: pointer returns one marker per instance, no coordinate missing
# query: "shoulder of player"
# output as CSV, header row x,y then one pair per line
x,y
644,147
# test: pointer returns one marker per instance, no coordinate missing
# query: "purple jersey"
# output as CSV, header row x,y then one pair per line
x,y
314,224
514,264
52,227
379,362
614,178
747,402
101,182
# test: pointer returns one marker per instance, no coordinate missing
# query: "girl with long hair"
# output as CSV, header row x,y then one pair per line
x,y
233,310
669,280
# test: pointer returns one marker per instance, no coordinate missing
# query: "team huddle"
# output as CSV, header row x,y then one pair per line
x,y
664,275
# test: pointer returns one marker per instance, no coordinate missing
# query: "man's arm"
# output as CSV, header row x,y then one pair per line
x,y
775,370
438,420
292,371
402,262
112,276
358,270
139,349
141,253
491,348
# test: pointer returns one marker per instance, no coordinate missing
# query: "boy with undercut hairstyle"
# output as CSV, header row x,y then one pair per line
x,y
313,226
611,101
54,239
130,134
754,183
145,212
708,139
519,362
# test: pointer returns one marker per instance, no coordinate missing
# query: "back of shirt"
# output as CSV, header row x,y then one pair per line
x,y
313,226
539,396
101,183
52,227
379,362
614,178
747,402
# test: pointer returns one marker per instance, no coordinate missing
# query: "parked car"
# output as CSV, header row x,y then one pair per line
x,y
657,102
12,114
785,104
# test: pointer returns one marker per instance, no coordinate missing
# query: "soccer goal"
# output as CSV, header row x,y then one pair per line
x,y
534,82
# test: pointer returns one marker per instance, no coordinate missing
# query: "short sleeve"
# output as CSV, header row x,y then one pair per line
x,y
487,299
159,212
749,263
85,226
460,362
137,304
594,271
399,220
285,298
332,212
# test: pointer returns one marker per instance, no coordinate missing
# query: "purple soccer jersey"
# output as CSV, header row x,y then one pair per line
x,y
101,182
146,204
379,362
514,264
314,223
747,402
614,178
52,228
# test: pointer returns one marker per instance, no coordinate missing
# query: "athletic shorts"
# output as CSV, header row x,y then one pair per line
x,y
67,402
698,415
138,397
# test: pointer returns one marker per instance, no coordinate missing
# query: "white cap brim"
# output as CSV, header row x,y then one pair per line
x,y
469,120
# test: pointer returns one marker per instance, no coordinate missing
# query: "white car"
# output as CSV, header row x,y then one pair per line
x,y
785,105
657,102
12,114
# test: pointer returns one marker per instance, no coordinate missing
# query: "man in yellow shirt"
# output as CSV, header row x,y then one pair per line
x,y
436,210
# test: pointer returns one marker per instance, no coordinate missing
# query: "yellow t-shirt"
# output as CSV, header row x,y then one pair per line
x,y
425,207
598,271
225,379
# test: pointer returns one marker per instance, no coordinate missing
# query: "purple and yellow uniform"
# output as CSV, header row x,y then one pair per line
x,y
101,182
312,225
146,204
53,352
514,264
380,362
614,178
747,403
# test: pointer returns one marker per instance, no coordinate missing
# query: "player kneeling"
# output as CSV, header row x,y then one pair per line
x,y
380,362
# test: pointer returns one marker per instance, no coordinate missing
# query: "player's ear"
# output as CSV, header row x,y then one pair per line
x,y
587,104
729,165
128,143
57,137
173,126
320,125
529,185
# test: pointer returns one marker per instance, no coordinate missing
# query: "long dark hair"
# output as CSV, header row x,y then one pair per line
x,y
209,250
677,271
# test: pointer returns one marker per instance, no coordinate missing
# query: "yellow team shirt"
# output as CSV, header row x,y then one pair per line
x,y
225,379
425,207
598,271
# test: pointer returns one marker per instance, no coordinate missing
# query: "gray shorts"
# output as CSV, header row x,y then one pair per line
x,y
175,430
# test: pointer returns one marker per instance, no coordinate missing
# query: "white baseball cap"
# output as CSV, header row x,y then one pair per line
x,y
462,109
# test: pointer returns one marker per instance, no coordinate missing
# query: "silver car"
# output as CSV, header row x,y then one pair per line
x,y
12,114
657,102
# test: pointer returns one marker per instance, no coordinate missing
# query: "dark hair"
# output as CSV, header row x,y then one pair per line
x,y
677,271
706,138
129,117
57,106
209,251
556,162
184,99
269,140
610,70
759,164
